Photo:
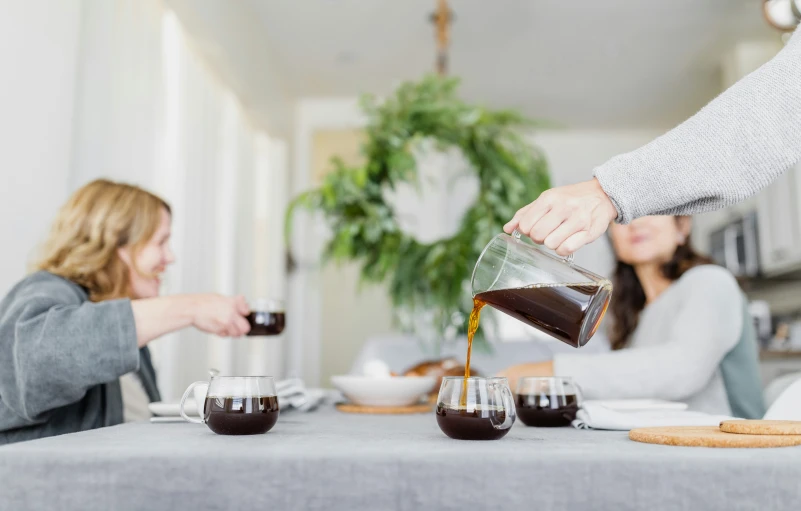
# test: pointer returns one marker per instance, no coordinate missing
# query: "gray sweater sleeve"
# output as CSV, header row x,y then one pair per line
x,y
728,151
54,346
707,325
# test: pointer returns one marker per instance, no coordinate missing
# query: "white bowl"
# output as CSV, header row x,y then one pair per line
x,y
391,391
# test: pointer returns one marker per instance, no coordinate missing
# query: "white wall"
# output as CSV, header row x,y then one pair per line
x,y
39,42
230,41
312,114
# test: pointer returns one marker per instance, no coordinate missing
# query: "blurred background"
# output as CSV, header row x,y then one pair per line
x,y
230,109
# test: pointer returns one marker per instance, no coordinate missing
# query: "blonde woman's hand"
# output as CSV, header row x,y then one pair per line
x,y
220,315
566,218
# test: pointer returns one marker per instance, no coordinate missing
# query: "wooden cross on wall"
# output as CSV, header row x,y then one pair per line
x,y
442,19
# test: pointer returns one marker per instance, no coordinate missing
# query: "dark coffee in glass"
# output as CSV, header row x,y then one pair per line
x,y
547,402
471,423
236,405
241,415
476,408
267,317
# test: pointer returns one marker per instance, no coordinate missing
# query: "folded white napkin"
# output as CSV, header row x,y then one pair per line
x,y
636,405
306,401
623,415
293,394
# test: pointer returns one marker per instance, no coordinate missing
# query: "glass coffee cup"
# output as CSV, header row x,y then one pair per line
x,y
541,289
547,402
485,412
236,405
267,317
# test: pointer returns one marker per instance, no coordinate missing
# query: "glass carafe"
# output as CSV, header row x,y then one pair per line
x,y
541,289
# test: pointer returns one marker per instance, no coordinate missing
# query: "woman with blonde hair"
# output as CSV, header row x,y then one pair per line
x,y
69,331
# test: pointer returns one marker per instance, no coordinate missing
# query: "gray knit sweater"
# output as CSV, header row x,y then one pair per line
x,y
61,357
731,149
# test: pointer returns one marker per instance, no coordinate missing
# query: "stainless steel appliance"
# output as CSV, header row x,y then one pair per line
x,y
735,246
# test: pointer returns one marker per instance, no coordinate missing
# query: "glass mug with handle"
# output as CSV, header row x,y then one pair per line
x,y
547,402
235,405
485,412
541,289
267,317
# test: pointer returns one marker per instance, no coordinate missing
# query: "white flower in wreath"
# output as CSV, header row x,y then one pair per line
x,y
432,209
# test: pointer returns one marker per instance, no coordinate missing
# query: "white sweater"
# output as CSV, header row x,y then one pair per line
x,y
728,151
675,351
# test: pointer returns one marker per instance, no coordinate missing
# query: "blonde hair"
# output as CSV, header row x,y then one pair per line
x,y
97,220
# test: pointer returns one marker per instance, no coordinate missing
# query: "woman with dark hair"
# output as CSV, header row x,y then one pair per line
x,y
680,328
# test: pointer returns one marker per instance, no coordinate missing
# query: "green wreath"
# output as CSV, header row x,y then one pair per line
x,y
434,276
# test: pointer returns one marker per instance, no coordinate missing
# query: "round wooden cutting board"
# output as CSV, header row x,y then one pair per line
x,y
745,427
384,410
709,436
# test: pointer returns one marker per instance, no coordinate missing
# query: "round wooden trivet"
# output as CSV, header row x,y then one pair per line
x,y
708,436
384,410
754,427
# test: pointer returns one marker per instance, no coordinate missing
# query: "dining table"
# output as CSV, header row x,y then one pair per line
x,y
330,460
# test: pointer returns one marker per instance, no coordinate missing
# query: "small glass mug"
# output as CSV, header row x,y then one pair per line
x,y
485,412
267,317
236,405
547,402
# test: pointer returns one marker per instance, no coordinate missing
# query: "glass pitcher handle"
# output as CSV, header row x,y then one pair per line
x,y
516,235
508,400
183,400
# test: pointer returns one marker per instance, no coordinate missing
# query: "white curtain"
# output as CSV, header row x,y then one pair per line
x,y
149,112
119,92
269,192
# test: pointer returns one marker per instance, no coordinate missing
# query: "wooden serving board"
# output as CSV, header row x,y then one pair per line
x,y
709,436
755,427
384,410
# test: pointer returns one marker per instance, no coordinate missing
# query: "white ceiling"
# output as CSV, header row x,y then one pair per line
x,y
579,63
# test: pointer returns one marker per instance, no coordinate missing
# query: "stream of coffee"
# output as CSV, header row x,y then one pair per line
x,y
472,326
560,310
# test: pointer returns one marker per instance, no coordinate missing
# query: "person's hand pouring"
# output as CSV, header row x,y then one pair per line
x,y
565,218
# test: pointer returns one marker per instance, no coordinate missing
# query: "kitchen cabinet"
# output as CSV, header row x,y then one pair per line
x,y
779,220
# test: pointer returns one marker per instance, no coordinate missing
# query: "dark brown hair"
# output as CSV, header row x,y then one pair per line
x,y
628,298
